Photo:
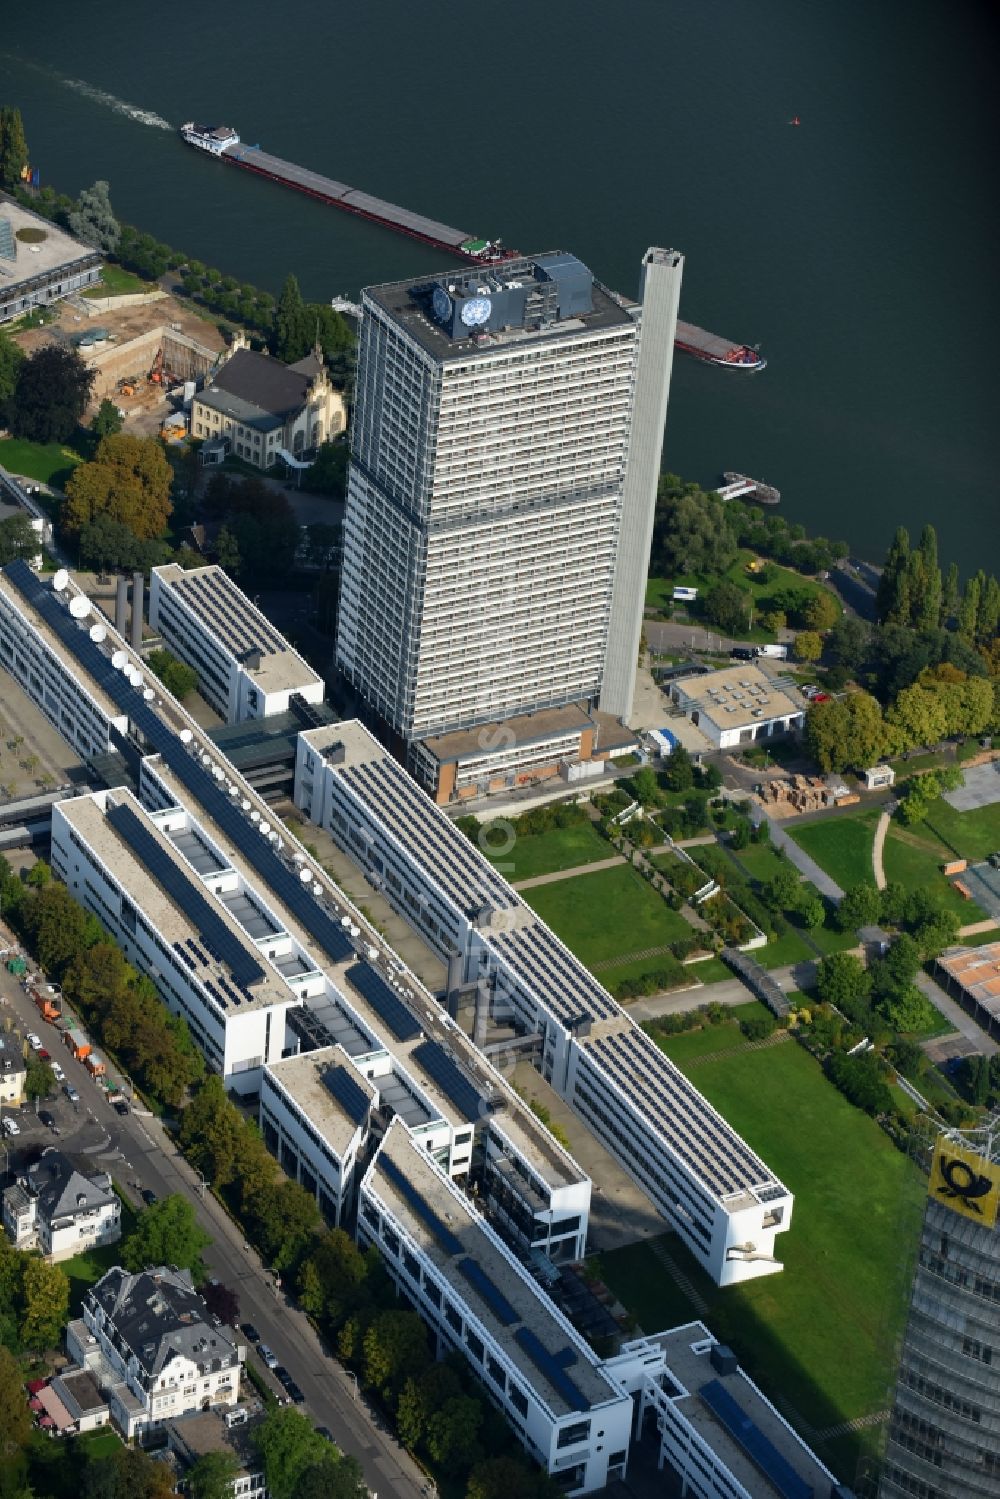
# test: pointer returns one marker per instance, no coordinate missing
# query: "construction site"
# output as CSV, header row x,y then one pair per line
x,y
143,352
790,796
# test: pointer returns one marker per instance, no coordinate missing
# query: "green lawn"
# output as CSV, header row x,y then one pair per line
x,y
659,590
760,861
913,857
726,1036
544,853
614,976
99,1443
820,1333
711,971
85,1270
116,282
789,947
49,463
842,846
609,914
973,835
980,939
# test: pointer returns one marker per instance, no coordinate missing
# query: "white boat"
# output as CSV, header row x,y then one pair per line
x,y
211,138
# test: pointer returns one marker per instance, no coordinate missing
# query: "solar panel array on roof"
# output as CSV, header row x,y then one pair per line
x,y
450,1079
347,1091
558,979
200,782
8,248
223,945
448,1241
386,1004
699,1136
442,849
759,1448
553,1366
491,1294
224,609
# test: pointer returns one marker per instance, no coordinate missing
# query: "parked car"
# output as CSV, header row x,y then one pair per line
x,y
44,1117
270,1359
71,1093
282,1375
57,1072
35,1042
250,1332
149,1197
120,1106
44,1056
295,1393
11,1126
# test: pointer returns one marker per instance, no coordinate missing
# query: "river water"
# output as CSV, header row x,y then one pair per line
x,y
858,249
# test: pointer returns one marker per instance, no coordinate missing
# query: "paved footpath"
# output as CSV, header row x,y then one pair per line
x,y
798,856
567,874
878,844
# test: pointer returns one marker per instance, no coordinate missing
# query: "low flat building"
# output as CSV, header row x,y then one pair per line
x,y
739,705
267,410
153,1348
972,976
81,1397
517,752
190,1438
246,669
39,262
61,1210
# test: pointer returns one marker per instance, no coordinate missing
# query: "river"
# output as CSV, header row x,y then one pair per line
x,y
857,248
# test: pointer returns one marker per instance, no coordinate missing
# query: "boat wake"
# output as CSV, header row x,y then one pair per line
x,y
120,106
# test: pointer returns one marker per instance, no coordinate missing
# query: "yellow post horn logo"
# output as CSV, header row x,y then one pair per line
x,y
966,1182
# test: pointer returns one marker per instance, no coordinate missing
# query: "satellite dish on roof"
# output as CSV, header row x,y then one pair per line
x,y
119,659
305,876
148,694
245,804
254,815
345,921
185,736
219,773
98,633
206,758
317,889
234,790
60,579
273,836
135,676
79,607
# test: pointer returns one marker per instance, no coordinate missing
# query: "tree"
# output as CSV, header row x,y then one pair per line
x,y
907,1010
108,420
936,932
841,980
45,1298
822,611
13,147
50,396
328,474
812,911
292,337
129,480
337,1476
892,600
679,773
968,609
865,735
212,1132
692,532
861,1080
395,1346
176,676
11,359
808,645
728,607
950,595
847,642
17,539
222,1302
211,1477
93,221
15,1417
925,603
57,927
782,891
167,1234
453,1433
506,1478
40,1080
825,735
337,1275
898,967
916,718
644,788
288,1445
227,551
859,906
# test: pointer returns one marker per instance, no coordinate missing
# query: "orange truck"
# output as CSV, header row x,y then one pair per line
x,y
94,1064
47,1001
77,1043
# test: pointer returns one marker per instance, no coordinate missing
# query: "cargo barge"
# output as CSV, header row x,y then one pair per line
x,y
741,485
223,142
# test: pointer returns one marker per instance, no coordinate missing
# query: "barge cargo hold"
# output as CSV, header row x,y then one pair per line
x,y
222,142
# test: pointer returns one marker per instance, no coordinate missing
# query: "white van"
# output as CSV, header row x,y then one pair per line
x,y
239,1416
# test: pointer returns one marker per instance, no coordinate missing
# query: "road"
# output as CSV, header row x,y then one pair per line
x,y
135,1149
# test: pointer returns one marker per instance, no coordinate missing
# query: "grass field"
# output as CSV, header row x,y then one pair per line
x,y
973,835
544,853
711,971
612,913
116,282
659,590
820,1333
842,846
726,1036
913,857
85,1270
49,463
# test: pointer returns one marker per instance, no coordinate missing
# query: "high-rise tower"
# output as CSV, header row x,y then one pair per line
x,y
505,452
944,1434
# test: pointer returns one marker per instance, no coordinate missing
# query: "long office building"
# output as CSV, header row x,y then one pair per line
x,y
724,1202
944,1431
505,452
372,1095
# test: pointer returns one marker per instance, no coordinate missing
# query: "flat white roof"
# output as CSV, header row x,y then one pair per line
x,y
736,697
